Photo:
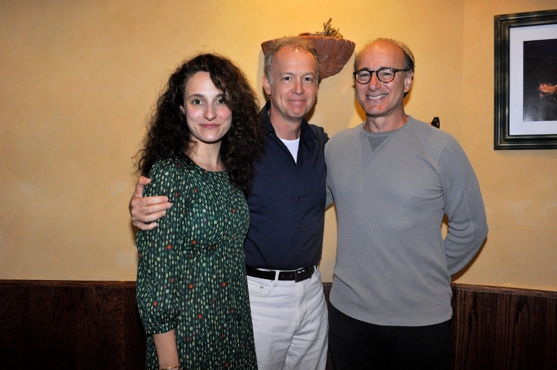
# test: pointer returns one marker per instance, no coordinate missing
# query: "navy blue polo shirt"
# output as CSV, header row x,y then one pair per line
x,y
287,201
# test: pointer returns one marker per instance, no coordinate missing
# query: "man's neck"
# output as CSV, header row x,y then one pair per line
x,y
285,129
385,124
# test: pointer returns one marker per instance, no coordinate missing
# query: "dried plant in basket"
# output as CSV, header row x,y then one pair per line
x,y
333,50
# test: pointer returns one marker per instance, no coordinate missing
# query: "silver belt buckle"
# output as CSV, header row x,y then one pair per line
x,y
298,274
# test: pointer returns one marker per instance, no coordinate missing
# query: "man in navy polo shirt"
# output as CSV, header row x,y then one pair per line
x,y
287,211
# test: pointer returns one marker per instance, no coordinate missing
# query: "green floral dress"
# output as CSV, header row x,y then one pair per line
x,y
191,274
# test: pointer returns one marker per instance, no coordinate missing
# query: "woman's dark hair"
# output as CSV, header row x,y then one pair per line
x,y
168,133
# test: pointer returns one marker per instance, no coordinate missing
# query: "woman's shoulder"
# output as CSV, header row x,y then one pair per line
x,y
171,164
167,175
172,171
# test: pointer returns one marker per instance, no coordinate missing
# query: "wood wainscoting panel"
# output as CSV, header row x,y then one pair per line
x,y
503,328
70,325
96,325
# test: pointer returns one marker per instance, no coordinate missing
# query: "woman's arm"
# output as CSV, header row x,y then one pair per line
x,y
167,352
160,265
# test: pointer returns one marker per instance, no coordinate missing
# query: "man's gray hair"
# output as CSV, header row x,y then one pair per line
x,y
292,42
409,62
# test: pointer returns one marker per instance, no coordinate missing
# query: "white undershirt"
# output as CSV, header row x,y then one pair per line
x,y
292,146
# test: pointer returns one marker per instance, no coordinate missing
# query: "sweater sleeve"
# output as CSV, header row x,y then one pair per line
x,y
158,279
463,205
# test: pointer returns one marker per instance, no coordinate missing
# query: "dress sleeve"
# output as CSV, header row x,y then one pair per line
x,y
464,207
160,257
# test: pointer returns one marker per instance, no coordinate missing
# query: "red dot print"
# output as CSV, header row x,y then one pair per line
x,y
172,280
194,242
223,284
232,311
169,247
190,286
233,210
200,316
155,303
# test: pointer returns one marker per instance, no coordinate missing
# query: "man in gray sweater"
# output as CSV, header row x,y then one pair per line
x,y
393,178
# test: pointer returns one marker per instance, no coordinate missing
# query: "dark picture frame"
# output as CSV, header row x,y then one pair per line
x,y
526,80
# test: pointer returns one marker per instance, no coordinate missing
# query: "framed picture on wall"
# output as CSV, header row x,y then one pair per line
x,y
526,80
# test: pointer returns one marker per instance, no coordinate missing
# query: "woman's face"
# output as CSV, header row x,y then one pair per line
x,y
208,117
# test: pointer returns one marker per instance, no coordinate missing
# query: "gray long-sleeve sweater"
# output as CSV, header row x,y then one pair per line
x,y
393,264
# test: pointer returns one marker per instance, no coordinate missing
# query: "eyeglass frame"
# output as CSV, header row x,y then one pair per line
x,y
394,70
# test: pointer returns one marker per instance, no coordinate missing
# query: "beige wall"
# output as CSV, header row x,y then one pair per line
x,y
78,80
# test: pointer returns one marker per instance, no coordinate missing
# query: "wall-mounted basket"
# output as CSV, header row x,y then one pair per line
x,y
333,52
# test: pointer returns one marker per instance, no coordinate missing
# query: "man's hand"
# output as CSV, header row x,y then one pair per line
x,y
146,210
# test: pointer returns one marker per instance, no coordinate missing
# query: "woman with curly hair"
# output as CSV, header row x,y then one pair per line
x,y
191,282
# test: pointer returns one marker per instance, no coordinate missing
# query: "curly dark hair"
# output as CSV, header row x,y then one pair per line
x,y
168,133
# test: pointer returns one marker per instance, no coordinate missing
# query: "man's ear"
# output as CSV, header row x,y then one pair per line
x,y
408,80
266,85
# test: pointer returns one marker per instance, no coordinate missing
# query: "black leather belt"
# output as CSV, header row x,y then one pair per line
x,y
300,274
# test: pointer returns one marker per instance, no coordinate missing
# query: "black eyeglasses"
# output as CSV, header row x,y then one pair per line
x,y
385,74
